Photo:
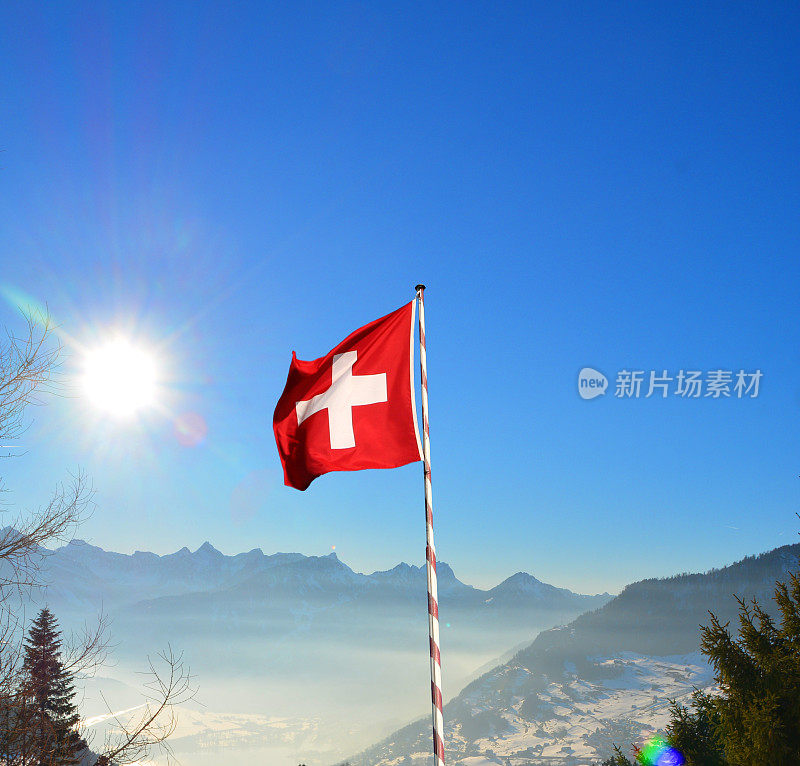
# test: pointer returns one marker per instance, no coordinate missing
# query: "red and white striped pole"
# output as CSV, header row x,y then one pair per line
x,y
430,552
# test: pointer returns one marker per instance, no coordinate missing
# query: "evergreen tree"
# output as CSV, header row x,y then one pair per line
x,y
756,717
759,709
693,730
51,716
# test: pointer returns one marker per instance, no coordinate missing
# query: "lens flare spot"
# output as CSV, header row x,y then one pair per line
x,y
656,752
190,429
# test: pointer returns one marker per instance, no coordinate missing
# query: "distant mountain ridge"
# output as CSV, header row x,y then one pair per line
x,y
290,635
604,678
83,575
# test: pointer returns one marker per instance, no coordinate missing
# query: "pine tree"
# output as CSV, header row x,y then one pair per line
x,y
693,730
759,674
51,716
755,719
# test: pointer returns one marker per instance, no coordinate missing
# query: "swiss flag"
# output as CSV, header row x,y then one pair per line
x,y
352,408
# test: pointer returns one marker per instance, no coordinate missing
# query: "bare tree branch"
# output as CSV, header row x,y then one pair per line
x,y
28,364
24,542
168,685
28,370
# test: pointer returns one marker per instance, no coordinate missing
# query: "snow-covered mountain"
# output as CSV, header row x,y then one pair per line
x,y
605,678
248,589
298,637
80,575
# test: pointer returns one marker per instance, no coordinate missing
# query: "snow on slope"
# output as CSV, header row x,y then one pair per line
x,y
605,678
567,721
584,719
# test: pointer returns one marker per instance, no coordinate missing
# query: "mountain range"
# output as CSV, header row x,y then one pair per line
x,y
297,637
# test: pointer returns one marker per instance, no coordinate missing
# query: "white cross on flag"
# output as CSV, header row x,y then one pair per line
x,y
354,407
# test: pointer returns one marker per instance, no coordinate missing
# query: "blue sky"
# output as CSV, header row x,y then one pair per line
x,y
600,184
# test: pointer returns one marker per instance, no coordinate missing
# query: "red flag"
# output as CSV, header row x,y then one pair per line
x,y
352,408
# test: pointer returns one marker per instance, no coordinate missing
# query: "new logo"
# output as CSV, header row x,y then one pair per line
x,y
591,383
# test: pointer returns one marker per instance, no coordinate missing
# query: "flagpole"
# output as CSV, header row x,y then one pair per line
x,y
430,552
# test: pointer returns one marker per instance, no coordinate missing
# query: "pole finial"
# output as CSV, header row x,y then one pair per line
x,y
419,287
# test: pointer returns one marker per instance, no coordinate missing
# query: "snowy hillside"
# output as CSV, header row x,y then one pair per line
x,y
604,679
515,716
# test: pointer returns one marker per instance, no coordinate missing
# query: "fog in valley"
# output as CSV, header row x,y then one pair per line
x,y
295,658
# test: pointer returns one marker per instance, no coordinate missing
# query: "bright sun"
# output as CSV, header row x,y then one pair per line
x,y
120,378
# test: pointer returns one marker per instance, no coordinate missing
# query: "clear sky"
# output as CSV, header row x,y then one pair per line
x,y
606,184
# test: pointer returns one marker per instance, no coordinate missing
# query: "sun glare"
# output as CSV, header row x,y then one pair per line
x,y
120,378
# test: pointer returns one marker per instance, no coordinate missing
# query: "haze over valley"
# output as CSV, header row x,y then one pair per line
x,y
307,656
